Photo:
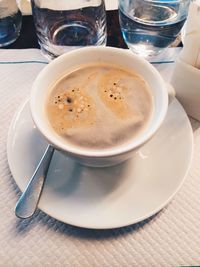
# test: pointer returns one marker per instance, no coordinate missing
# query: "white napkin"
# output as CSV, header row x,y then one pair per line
x,y
7,8
67,5
25,6
186,76
191,50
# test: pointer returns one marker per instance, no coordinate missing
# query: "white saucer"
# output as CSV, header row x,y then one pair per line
x,y
105,197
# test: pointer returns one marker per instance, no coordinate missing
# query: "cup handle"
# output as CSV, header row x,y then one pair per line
x,y
171,92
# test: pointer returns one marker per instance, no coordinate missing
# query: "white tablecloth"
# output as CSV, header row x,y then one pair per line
x,y
171,238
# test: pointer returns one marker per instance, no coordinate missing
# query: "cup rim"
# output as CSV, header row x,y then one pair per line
x,y
98,153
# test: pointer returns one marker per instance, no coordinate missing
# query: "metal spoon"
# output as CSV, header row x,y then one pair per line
x,y
27,203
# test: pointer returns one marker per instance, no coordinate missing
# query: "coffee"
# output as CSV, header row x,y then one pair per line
x,y
99,106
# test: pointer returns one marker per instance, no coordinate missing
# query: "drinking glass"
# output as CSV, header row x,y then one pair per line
x,y
149,26
10,22
65,25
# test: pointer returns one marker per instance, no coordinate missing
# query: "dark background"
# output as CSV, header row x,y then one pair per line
x,y
28,38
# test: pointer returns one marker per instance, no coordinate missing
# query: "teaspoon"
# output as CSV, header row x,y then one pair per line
x,y
28,202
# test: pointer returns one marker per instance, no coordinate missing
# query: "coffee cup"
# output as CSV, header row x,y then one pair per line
x,y
63,64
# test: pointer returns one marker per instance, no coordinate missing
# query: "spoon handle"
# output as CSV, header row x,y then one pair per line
x,y
27,203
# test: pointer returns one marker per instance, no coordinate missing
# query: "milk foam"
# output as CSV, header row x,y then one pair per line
x,y
99,106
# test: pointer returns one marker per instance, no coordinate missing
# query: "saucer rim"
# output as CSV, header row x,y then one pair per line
x,y
83,225
183,33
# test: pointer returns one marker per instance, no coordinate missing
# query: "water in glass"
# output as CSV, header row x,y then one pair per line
x,y
66,25
10,22
148,26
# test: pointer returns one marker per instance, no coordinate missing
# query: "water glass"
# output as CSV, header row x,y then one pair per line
x,y
65,25
10,22
149,26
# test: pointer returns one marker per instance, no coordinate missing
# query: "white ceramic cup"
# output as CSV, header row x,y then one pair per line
x,y
69,61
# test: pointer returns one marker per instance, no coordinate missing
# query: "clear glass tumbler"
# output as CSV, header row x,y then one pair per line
x,y
148,26
65,25
10,22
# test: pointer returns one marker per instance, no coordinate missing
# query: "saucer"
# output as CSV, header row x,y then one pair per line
x,y
103,198
183,33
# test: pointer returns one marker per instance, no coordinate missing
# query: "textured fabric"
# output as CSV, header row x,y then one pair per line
x,y
170,238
